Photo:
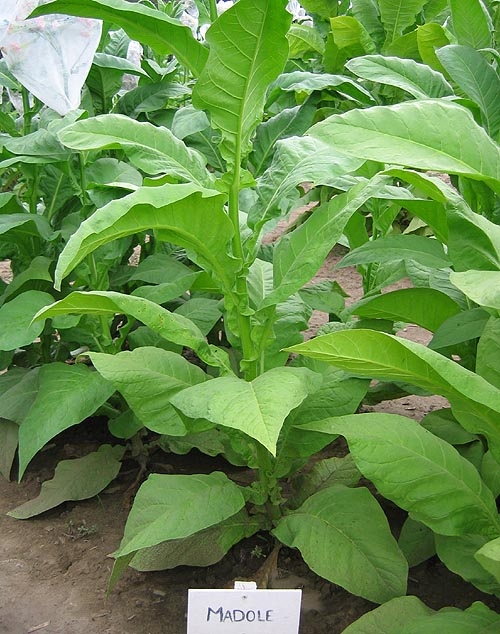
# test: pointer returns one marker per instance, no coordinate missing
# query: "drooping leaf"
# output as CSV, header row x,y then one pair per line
x,y
76,479
476,619
300,254
483,287
477,79
343,535
417,79
430,37
16,326
307,82
489,557
147,378
172,507
67,395
179,212
418,471
154,150
474,401
390,618
488,351
428,134
148,26
459,555
170,326
257,408
304,41
204,548
473,240
248,49
425,307
416,540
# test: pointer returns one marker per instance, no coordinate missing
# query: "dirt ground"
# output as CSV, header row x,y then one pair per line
x,y
54,569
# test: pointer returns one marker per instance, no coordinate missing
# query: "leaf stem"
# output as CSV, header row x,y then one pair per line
x,y
212,4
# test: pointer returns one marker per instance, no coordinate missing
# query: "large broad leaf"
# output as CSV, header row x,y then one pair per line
x,y
171,326
425,307
153,28
390,618
77,479
248,49
459,555
473,240
417,79
430,134
181,213
155,150
477,79
171,507
475,402
488,352
16,326
257,408
489,557
398,15
477,619
201,549
343,535
296,160
306,82
301,253
148,378
483,287
399,247
67,395
471,23
418,471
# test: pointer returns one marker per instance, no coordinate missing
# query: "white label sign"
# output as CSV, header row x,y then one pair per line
x,y
243,611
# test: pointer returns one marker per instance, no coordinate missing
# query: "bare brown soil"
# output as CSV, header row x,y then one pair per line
x,y
54,569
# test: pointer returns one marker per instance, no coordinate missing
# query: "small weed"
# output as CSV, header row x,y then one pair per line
x,y
80,531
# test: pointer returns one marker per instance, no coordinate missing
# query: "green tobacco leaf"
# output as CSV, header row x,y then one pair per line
x,y
77,479
147,378
474,401
204,548
172,507
418,471
304,41
399,247
257,408
477,79
20,226
18,390
398,15
152,149
483,287
477,619
289,122
459,555
67,395
430,37
202,311
471,23
390,618
300,254
489,557
473,241
417,79
416,540
306,82
488,352
248,49
148,26
426,134
296,160
466,325
180,213
8,446
170,326
16,326
343,536
425,307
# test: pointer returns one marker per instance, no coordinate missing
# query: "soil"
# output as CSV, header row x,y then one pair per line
x,y
54,569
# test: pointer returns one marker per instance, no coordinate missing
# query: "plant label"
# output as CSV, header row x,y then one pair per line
x,y
243,611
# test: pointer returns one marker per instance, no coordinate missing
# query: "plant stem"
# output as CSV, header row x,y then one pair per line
x,y
212,4
27,114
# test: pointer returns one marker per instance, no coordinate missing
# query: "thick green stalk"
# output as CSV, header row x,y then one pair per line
x,y
212,4
245,328
27,114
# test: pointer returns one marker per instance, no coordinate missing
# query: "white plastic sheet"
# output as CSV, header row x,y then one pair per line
x,y
50,55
